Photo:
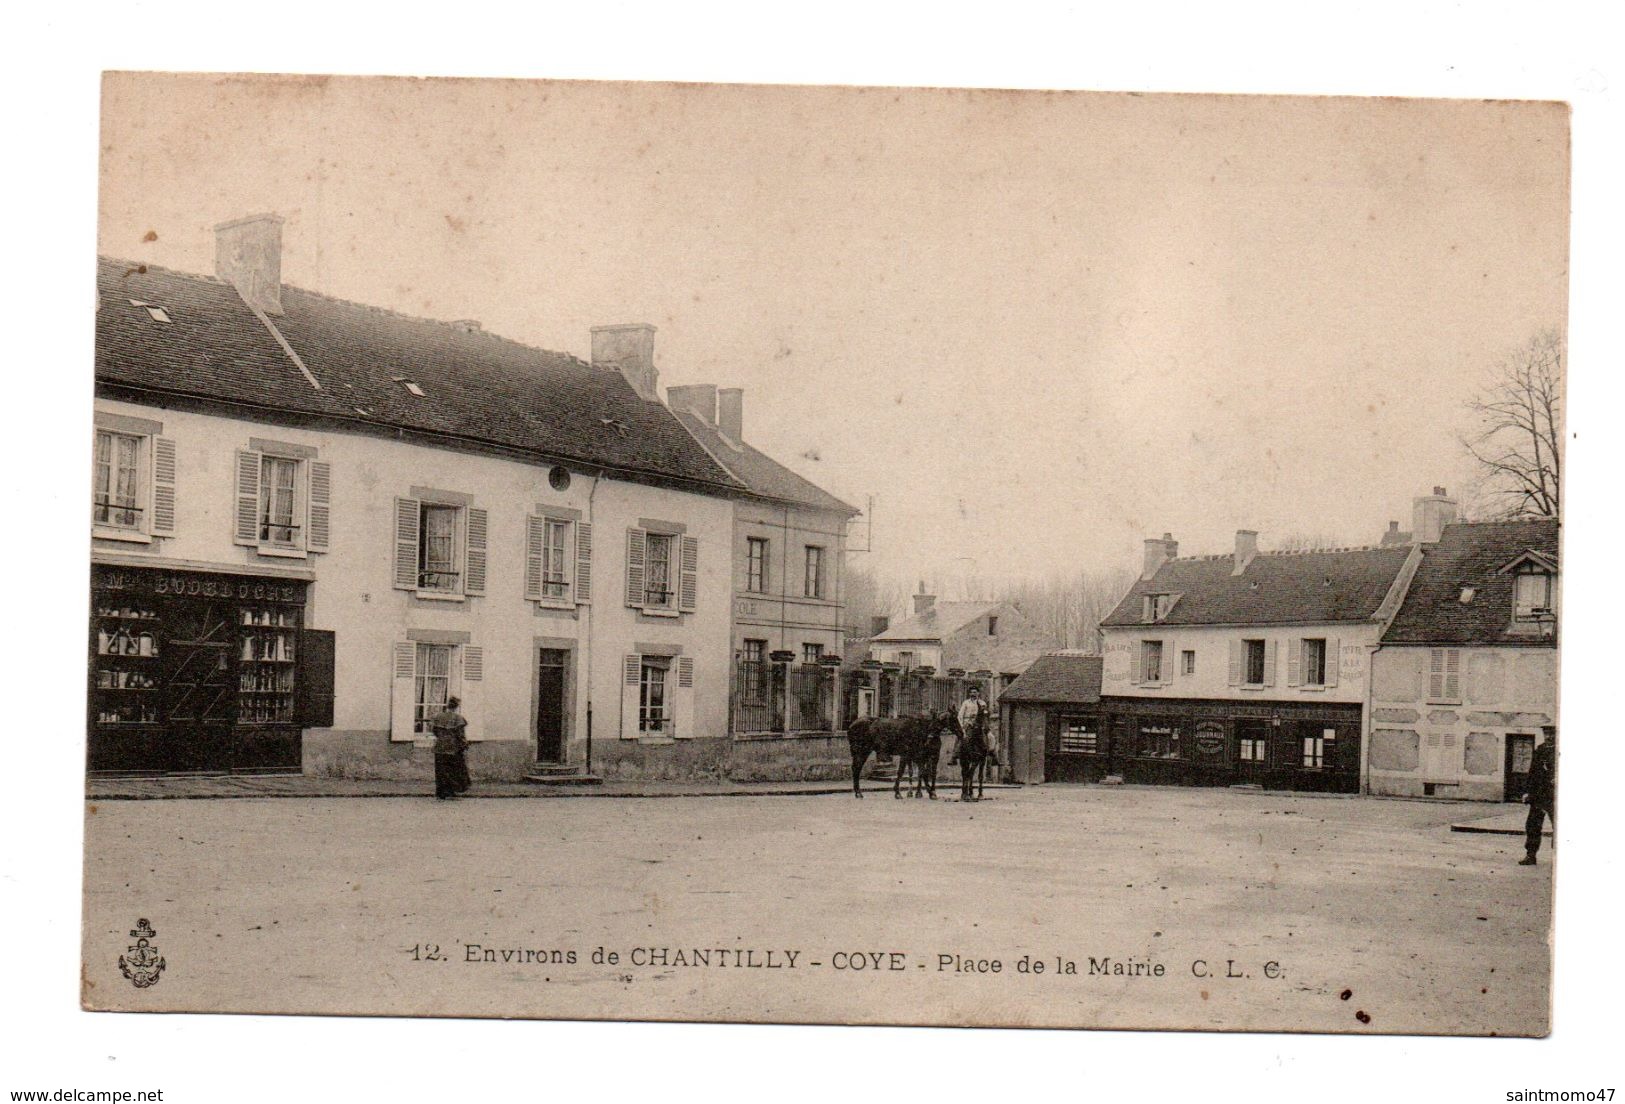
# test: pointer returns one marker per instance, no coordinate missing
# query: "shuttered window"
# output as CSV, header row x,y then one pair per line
x,y
440,548
558,560
662,572
283,501
132,481
1444,676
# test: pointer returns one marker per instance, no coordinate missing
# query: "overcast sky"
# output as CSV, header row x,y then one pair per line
x,y
1037,328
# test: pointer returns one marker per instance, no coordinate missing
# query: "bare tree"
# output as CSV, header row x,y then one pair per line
x,y
1517,432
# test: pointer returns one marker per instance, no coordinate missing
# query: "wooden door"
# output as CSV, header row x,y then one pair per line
x,y
200,686
551,666
1252,751
1520,751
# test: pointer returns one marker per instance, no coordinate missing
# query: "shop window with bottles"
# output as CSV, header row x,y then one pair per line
x,y
126,672
266,663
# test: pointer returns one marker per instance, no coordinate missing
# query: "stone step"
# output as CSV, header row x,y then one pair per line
x,y
551,775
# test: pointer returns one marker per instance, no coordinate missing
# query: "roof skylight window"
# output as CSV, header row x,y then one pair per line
x,y
410,385
157,314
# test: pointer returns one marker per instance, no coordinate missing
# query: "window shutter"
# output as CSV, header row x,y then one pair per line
x,y
583,562
689,577
315,674
629,697
401,691
535,538
318,533
471,685
1235,662
1269,663
408,515
1294,662
1452,674
683,700
163,486
474,558
1436,674
248,498
634,568
1334,659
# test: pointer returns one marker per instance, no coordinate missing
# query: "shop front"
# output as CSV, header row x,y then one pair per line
x,y
1276,745
202,672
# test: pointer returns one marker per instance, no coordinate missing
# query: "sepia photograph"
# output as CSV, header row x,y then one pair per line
x,y
599,550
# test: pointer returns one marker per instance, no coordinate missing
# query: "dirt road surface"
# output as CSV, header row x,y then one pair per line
x,y
1175,908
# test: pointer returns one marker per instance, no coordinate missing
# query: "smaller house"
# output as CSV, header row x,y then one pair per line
x,y
963,636
1052,713
1466,674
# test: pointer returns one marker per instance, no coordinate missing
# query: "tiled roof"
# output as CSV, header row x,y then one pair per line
x,y
477,387
1062,679
759,471
1277,588
939,622
1470,554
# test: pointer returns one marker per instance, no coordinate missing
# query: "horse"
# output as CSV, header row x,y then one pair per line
x,y
974,752
915,741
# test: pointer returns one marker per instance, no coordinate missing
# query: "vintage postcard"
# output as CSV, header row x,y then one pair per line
x,y
825,555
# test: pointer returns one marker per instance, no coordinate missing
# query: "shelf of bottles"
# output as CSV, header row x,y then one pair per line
x,y
265,671
126,676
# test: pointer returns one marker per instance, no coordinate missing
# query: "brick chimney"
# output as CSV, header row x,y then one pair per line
x,y
248,256
923,601
1157,553
697,398
731,413
1430,514
630,350
1246,549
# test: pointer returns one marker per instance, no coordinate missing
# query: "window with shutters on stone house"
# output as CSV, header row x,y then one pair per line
x,y
133,482
558,559
283,499
662,569
1444,676
657,700
427,674
440,545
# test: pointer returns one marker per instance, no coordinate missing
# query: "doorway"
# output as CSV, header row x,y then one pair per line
x,y
1252,751
1520,752
552,665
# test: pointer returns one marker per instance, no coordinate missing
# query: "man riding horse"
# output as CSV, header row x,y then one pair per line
x,y
974,748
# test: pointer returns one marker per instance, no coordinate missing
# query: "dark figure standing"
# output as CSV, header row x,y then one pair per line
x,y
450,745
1542,796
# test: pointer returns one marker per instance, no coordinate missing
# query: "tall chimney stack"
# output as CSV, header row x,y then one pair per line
x,y
248,256
1157,553
1246,549
698,398
630,350
1430,514
923,601
731,413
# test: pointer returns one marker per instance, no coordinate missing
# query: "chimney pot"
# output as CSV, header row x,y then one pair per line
x,y
731,413
248,256
630,350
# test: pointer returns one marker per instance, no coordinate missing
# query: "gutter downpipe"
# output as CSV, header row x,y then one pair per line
x,y
587,664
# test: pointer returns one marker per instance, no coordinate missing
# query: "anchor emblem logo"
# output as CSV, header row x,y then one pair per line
x,y
142,964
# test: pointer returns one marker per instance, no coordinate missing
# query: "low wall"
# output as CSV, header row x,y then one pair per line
x,y
349,753
362,754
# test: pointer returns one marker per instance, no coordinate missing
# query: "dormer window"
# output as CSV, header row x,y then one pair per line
x,y
1532,592
1156,606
